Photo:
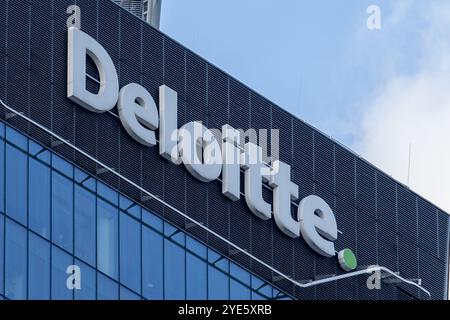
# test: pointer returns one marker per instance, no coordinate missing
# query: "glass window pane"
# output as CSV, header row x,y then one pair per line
x,y
218,261
62,211
60,262
62,166
130,252
239,273
261,287
2,250
213,256
125,203
135,211
38,151
218,284
16,138
152,264
88,282
107,288
16,184
126,294
256,282
39,198
15,261
256,296
152,220
80,175
266,290
277,293
107,193
174,271
238,291
169,229
196,275
196,247
107,238
86,180
2,176
38,268
85,222
130,207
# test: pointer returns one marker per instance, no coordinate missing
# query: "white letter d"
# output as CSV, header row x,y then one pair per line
x,y
79,45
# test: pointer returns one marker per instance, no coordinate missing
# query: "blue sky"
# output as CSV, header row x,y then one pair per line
x,y
376,91
316,59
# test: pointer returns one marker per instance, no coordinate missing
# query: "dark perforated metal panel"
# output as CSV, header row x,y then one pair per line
x,y
3,23
2,76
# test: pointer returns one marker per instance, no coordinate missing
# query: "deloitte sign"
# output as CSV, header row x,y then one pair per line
x,y
198,149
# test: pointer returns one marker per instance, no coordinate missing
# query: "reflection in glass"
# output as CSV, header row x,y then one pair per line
x,y
239,273
126,294
2,176
16,138
15,261
85,221
39,198
174,271
239,291
62,211
196,275
107,193
2,251
218,284
108,289
62,166
152,264
38,268
174,265
130,252
16,184
107,239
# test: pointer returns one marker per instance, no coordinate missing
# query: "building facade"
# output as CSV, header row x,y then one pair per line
x,y
77,190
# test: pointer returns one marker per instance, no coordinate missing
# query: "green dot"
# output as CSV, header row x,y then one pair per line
x,y
347,259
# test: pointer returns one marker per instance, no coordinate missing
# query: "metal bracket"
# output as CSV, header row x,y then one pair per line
x,y
190,225
56,143
146,198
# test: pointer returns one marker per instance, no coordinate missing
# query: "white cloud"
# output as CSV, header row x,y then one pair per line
x,y
415,108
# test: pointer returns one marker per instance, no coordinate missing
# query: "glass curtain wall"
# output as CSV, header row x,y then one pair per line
x,y
54,216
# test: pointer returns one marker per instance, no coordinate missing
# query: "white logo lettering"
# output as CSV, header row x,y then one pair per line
x,y
206,153
318,225
79,45
138,113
